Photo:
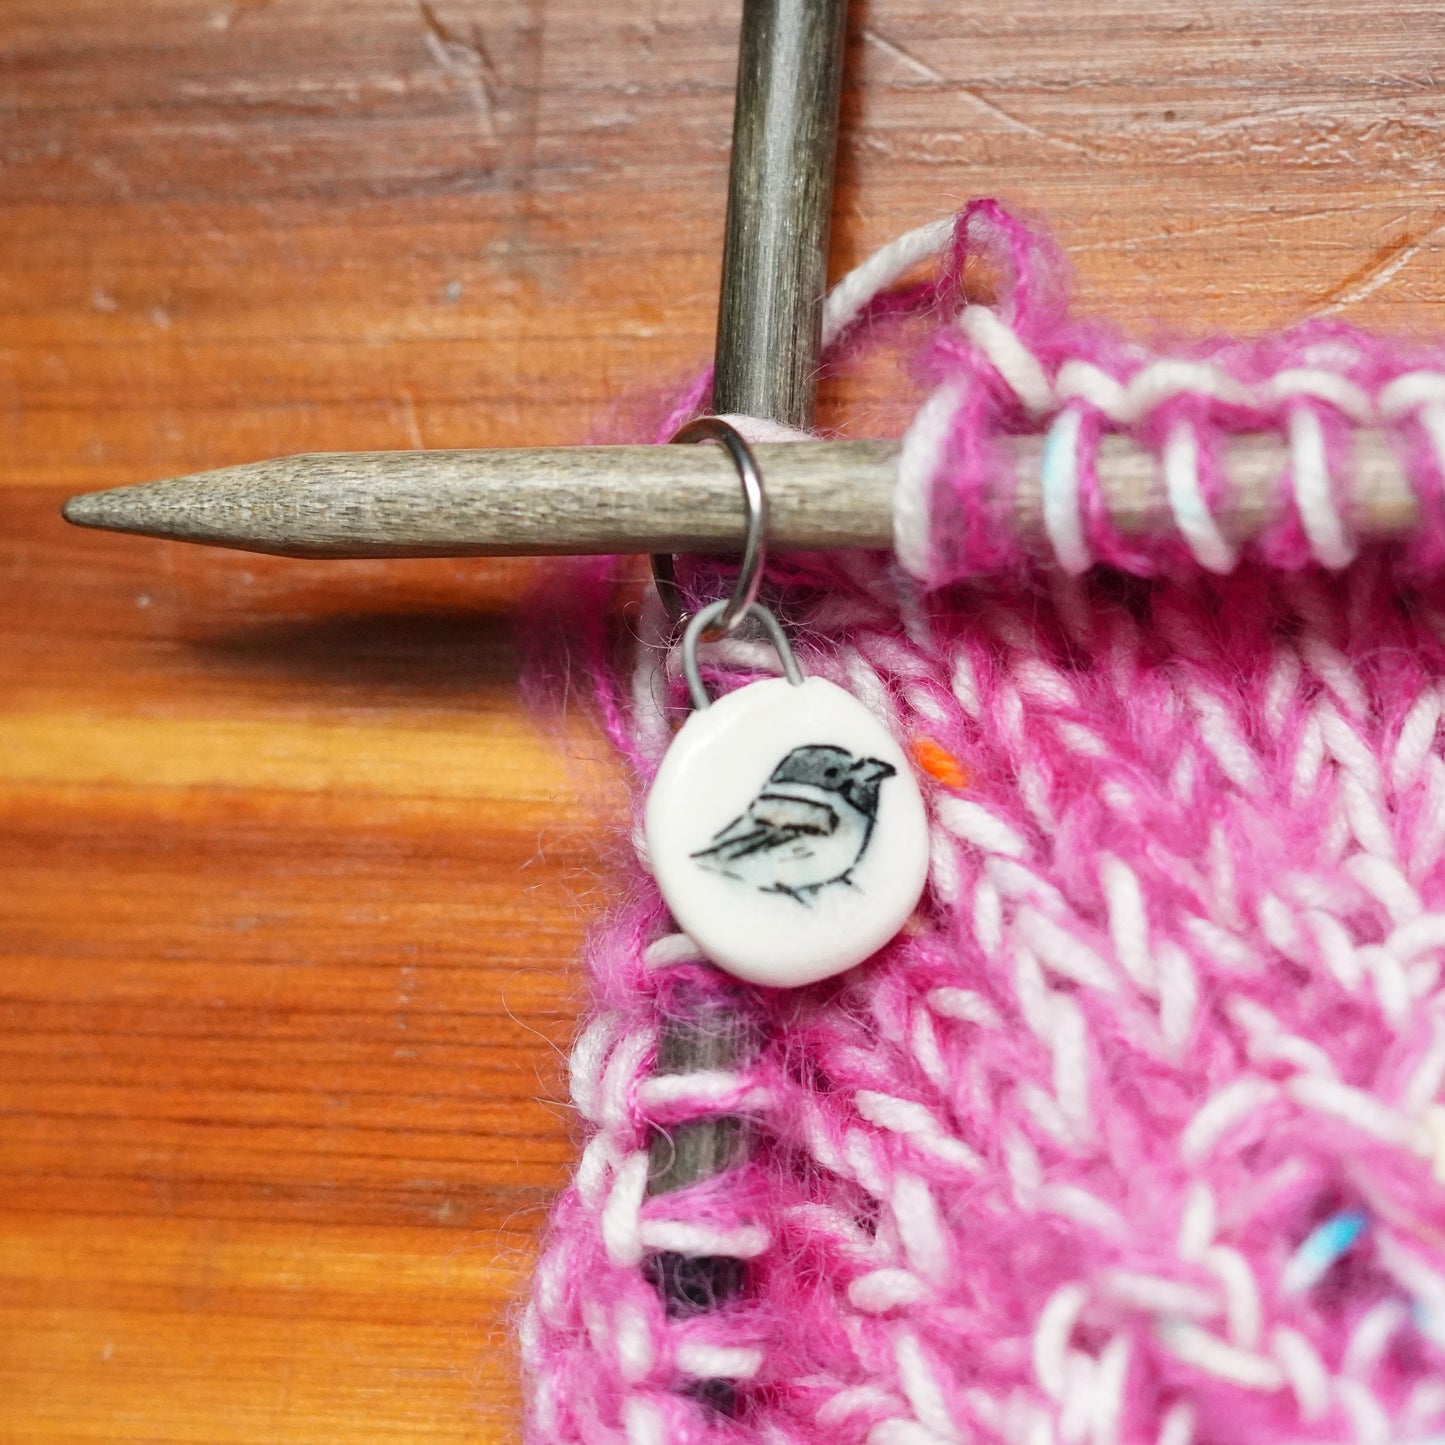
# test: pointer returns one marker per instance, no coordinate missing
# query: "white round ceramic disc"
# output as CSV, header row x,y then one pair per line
x,y
786,832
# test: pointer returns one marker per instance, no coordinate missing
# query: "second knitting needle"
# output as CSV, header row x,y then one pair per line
x,y
574,500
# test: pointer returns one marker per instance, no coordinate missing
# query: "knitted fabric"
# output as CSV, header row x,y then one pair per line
x,y
1134,1134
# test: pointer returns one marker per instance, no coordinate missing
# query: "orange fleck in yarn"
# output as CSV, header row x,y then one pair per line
x,y
940,764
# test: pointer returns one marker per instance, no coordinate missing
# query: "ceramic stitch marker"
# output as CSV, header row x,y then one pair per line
x,y
784,827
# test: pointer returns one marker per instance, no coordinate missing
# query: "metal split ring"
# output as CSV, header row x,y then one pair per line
x,y
755,539
710,620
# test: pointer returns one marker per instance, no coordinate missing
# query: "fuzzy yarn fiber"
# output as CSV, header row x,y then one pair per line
x,y
1135,1135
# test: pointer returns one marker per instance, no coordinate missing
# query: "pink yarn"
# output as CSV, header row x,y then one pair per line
x,y
1027,362
1137,1135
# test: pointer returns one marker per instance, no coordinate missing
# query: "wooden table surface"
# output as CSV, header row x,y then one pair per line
x,y
292,878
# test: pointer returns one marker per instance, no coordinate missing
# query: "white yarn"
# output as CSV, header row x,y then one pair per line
x,y
671,948
1060,486
1207,1352
1223,1110
620,1214
1186,499
1311,476
1327,386
918,461
866,280
1052,1331
1013,361
677,1236
718,1362
761,431
886,1289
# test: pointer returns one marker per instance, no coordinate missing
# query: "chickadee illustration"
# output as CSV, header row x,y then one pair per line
x,y
807,827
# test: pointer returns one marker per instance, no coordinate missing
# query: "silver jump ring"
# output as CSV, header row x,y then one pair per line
x,y
710,620
755,541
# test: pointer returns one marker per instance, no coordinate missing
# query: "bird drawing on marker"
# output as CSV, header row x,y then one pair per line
x,y
808,826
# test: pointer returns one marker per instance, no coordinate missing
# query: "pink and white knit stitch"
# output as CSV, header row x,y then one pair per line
x,y
1136,1135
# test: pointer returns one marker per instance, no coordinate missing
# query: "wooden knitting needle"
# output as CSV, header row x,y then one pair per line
x,y
575,500
770,312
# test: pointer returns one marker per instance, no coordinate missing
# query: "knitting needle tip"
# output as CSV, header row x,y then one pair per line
x,y
121,509
254,507
510,502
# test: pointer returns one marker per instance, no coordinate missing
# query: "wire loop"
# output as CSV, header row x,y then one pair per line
x,y
755,539
709,620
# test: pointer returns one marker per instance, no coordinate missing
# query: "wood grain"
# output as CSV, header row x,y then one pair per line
x,y
292,879
568,500
618,499
780,209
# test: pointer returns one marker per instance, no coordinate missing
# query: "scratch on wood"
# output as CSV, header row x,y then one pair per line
x,y
1269,114
467,61
994,109
411,421
227,15
1380,270
907,61
1250,222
